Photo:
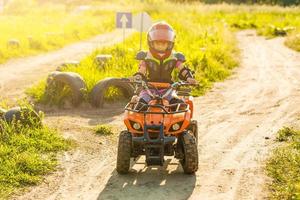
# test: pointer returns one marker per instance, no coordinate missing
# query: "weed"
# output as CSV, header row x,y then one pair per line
x,y
103,130
26,153
283,166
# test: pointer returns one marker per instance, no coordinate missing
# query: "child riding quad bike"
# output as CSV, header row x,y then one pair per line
x,y
159,121
159,129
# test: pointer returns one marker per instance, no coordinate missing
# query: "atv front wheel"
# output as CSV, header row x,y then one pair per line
x,y
124,152
194,128
190,161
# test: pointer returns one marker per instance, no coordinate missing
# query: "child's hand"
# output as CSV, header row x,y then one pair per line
x,y
192,81
134,99
135,78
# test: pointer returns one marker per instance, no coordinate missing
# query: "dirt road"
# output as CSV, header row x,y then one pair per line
x,y
18,74
238,120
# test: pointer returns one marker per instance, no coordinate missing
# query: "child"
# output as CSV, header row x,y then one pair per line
x,y
158,63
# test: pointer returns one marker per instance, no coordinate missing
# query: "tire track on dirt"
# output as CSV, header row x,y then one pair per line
x,y
245,146
238,120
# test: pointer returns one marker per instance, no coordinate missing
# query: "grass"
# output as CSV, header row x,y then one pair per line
x,y
284,166
269,21
103,130
209,46
293,41
27,152
28,28
43,27
205,35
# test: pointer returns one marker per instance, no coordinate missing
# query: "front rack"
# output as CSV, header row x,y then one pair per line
x,y
141,107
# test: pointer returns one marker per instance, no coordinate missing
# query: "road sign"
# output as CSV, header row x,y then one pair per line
x,y
124,20
141,22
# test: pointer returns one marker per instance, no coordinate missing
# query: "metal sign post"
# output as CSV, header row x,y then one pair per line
x,y
124,20
141,30
142,22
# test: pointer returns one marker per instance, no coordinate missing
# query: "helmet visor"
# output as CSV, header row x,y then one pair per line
x,y
162,35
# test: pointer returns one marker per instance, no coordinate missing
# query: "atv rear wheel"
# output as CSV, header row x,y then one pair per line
x,y
124,152
194,128
190,161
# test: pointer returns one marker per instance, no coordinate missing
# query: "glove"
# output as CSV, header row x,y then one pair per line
x,y
192,81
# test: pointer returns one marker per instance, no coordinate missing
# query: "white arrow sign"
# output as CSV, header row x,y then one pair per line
x,y
124,21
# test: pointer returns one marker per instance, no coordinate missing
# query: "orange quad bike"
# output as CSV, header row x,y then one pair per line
x,y
159,129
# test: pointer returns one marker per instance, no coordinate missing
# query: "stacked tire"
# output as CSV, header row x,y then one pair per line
x,y
98,92
78,87
67,79
23,115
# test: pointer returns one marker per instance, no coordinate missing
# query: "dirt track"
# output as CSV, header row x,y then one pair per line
x,y
238,120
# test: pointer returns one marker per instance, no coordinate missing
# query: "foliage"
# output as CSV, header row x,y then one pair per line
x,y
27,153
293,41
284,166
28,28
103,130
249,2
209,46
268,21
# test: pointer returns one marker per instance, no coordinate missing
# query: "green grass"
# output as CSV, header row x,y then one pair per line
x,y
284,166
27,152
103,130
40,28
293,41
209,46
269,21
205,34
48,26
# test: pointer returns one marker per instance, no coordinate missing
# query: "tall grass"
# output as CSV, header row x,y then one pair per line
x,y
27,151
209,46
269,21
204,35
284,166
39,28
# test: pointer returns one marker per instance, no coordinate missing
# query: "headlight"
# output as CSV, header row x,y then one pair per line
x,y
136,126
176,127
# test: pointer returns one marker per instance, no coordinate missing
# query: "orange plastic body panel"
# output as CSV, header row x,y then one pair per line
x,y
156,119
189,101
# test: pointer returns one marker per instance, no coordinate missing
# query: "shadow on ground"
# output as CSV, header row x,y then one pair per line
x,y
153,183
94,116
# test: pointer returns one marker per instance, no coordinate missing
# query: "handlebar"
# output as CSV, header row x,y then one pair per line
x,y
159,85
170,87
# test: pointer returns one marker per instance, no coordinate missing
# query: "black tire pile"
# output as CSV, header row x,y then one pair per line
x,y
78,87
73,80
97,94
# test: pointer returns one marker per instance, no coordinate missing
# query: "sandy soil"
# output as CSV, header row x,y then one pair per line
x,y
237,119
